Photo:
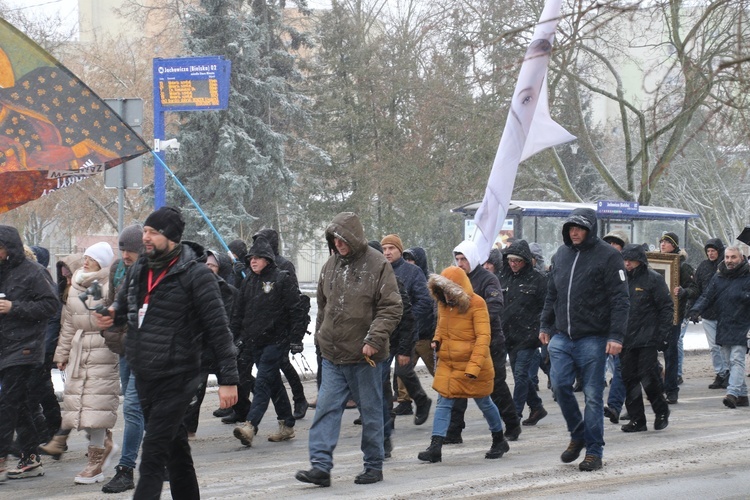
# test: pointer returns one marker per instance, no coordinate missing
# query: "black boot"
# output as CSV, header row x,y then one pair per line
x,y
499,446
434,453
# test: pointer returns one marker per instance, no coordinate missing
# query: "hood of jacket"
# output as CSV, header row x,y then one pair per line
x,y
496,259
225,263
585,218
520,248
347,227
717,245
635,252
272,236
470,251
419,256
261,247
452,288
11,240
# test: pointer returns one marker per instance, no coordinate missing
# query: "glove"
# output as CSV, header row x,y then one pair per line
x,y
296,347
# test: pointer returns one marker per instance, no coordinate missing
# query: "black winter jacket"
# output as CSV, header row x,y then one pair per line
x,y
729,291
523,294
268,309
422,307
402,338
651,305
185,313
587,293
705,271
31,291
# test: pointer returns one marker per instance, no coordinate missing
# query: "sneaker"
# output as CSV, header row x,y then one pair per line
x,y
634,426
612,415
535,416
743,401
314,476
284,434
512,433
369,476
245,433
730,401
123,480
27,467
662,421
590,463
223,412
300,409
572,452
403,408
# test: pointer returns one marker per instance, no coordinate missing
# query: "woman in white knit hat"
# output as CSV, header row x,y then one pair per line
x,y
92,382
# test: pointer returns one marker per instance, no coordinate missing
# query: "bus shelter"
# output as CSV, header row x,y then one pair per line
x,y
541,221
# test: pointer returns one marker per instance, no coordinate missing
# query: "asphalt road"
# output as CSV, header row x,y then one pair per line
x,y
704,453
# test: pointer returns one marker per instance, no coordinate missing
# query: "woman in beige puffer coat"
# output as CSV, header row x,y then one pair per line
x,y
92,381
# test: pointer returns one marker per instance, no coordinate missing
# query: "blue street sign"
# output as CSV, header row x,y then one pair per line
x,y
606,207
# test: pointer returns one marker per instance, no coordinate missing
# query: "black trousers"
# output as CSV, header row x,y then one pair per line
x,y
164,402
193,413
295,383
16,413
501,396
640,366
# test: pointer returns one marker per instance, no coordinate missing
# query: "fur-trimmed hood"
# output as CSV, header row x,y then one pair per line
x,y
451,287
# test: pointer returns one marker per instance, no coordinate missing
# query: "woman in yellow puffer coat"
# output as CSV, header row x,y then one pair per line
x,y
464,365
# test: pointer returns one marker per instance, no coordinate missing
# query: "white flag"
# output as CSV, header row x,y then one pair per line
x,y
528,130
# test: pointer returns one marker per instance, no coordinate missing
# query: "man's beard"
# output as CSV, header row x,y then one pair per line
x,y
155,253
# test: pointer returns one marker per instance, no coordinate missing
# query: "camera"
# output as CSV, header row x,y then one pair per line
x,y
95,292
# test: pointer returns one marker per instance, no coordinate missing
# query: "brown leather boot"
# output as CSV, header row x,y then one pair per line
x,y
56,446
92,473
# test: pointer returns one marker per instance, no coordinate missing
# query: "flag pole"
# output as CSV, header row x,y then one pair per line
x,y
192,200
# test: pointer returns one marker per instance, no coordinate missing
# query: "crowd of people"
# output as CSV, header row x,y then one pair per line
x,y
152,325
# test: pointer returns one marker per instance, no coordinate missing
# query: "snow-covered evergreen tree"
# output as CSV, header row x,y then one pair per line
x,y
233,161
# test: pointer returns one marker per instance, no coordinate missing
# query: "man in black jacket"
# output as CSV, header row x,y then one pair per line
x,y
686,292
649,324
584,318
28,300
524,289
729,291
487,286
413,280
267,319
172,305
291,375
706,270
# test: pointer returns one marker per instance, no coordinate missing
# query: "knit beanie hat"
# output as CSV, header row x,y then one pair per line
x,y
131,239
101,252
671,238
393,239
168,221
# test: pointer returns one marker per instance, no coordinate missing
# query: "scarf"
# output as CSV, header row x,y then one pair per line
x,y
162,260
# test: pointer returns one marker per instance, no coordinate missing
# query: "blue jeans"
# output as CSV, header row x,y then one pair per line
x,y
365,384
587,358
719,362
522,362
443,414
680,349
736,356
616,396
132,434
671,362
268,385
